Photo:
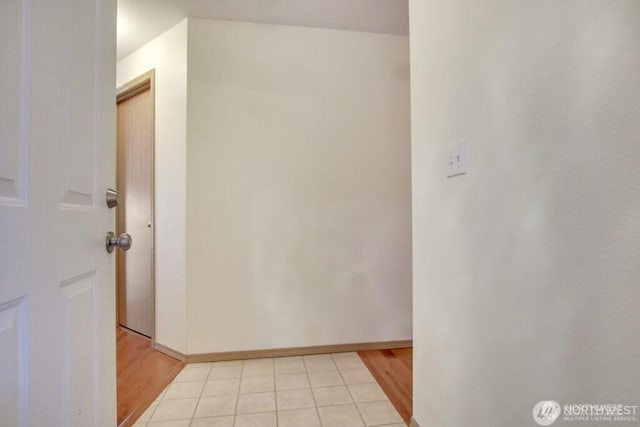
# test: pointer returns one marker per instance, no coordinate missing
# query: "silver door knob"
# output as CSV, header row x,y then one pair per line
x,y
123,242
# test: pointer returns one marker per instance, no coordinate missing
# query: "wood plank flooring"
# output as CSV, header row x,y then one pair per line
x,y
393,370
142,374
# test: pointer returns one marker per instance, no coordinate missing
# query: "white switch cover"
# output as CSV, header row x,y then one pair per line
x,y
457,161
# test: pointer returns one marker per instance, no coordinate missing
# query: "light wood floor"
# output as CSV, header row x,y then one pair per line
x,y
393,370
142,374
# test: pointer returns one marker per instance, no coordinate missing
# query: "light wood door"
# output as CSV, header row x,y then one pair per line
x,y
135,212
57,158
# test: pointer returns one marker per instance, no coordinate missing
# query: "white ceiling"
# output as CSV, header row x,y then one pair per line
x,y
139,21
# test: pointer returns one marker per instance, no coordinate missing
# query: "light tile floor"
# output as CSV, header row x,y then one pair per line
x,y
328,390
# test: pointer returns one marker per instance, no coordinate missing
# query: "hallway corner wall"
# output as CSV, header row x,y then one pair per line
x,y
298,201
526,269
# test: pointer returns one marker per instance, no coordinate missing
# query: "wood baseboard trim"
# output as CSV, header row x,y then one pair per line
x,y
170,352
295,351
413,423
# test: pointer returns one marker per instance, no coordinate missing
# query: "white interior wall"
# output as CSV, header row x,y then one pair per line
x,y
167,54
298,185
526,269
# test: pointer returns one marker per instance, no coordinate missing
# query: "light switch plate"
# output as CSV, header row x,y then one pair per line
x,y
457,160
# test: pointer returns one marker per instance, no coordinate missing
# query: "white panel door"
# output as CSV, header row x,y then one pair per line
x,y
57,157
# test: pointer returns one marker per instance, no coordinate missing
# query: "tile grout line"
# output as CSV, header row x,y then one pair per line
x,y
152,412
275,393
349,391
159,399
162,397
386,397
313,396
235,411
201,393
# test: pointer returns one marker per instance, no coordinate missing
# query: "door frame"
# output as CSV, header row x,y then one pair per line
x,y
128,90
